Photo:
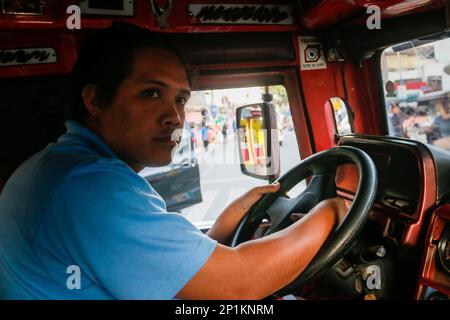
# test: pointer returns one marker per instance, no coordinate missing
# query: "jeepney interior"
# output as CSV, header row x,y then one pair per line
x,y
338,93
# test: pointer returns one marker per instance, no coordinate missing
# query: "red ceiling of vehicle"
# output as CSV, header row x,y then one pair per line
x,y
329,12
313,14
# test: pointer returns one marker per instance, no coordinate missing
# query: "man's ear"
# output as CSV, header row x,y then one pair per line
x,y
89,95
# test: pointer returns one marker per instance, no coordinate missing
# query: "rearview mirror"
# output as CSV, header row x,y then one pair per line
x,y
258,141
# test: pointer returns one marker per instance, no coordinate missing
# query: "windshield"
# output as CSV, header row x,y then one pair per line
x,y
416,79
205,175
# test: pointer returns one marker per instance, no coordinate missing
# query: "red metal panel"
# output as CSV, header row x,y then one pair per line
x,y
66,47
363,97
318,87
330,12
398,7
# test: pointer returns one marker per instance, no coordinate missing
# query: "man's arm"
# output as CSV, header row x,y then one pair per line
x,y
258,268
227,222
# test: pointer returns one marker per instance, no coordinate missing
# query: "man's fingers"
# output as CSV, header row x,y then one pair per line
x,y
271,188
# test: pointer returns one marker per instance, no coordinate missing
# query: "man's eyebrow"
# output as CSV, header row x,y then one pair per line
x,y
186,92
152,81
163,84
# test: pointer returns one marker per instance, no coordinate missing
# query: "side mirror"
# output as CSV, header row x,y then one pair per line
x,y
257,134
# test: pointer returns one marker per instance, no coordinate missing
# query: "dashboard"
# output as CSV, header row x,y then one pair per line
x,y
410,219
399,179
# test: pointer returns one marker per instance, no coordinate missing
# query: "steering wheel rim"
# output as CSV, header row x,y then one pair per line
x,y
322,167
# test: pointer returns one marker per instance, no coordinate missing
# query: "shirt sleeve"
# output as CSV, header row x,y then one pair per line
x,y
115,227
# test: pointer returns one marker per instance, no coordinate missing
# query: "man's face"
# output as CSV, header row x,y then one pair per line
x,y
147,108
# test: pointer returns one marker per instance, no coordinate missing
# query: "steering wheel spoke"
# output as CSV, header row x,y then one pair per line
x,y
320,188
279,212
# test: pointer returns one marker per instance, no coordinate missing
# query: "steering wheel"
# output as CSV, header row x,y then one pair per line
x,y
278,207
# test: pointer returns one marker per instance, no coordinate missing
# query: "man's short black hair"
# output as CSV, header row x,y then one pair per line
x,y
106,60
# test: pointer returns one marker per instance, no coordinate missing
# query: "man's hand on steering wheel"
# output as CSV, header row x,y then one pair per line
x,y
228,220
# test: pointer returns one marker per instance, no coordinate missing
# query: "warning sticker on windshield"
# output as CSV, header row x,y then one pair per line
x,y
311,54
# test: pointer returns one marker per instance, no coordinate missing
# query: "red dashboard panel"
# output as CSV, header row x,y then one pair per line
x,y
433,274
392,179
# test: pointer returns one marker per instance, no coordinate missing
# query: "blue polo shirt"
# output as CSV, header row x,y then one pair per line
x,y
77,223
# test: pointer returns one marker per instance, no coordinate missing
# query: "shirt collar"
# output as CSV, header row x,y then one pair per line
x,y
76,130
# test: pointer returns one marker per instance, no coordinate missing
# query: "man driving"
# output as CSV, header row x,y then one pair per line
x,y
79,208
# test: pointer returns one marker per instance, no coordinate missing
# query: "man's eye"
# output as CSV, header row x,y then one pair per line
x,y
182,101
151,93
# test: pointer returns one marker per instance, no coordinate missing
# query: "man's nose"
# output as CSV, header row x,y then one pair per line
x,y
173,116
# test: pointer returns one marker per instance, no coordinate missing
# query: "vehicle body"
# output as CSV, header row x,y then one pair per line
x,y
317,50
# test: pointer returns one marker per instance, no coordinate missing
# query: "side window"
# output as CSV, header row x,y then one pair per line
x,y
340,116
201,186
416,80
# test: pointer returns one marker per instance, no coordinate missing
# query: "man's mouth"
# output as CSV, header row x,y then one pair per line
x,y
171,139
167,140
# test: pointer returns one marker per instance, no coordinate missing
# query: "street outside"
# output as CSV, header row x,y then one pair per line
x,y
221,178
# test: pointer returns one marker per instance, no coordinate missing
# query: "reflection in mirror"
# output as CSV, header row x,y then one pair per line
x,y
391,91
251,135
258,141
340,116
